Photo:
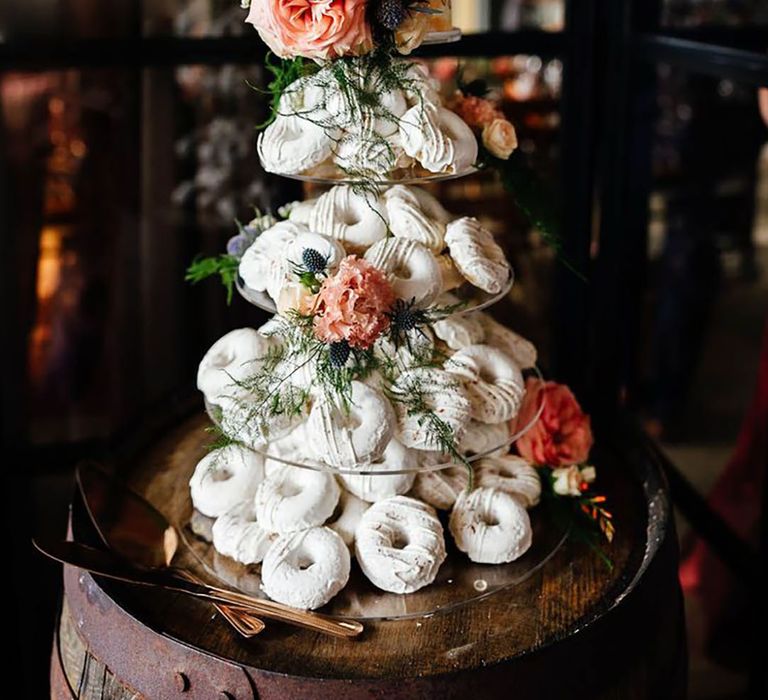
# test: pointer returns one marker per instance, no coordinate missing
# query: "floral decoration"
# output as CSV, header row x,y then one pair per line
x,y
353,304
317,30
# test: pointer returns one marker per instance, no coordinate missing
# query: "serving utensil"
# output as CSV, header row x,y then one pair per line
x,y
135,530
106,564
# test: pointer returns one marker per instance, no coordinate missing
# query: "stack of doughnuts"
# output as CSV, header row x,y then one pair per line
x,y
374,479
322,131
404,231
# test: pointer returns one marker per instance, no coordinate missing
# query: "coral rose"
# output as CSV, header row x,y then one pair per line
x,y
500,138
563,434
476,111
317,29
353,304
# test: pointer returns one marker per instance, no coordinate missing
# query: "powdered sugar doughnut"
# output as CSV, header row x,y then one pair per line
x,y
400,544
441,488
411,268
238,535
358,221
365,153
438,139
346,440
347,516
376,487
458,332
499,336
417,348
295,499
441,394
480,438
262,266
408,220
292,144
292,447
506,539
329,248
224,478
431,206
231,359
477,255
492,380
451,277
511,474
300,212
305,569
248,419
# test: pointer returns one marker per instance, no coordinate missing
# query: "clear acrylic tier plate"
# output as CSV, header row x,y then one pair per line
x,y
459,580
331,175
475,299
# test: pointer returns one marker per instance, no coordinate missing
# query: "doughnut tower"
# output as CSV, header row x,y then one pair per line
x,y
369,423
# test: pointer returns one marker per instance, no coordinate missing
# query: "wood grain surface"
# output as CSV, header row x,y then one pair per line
x,y
526,626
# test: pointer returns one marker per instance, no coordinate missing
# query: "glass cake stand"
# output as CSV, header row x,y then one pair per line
x,y
459,580
214,412
475,299
404,176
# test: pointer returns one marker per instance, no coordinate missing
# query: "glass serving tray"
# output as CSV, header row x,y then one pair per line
x,y
407,176
459,581
449,36
476,299
519,431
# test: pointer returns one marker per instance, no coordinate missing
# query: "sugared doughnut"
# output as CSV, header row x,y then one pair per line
x,y
330,249
477,255
441,488
293,144
347,516
224,478
438,139
458,331
490,526
376,487
482,438
441,394
411,268
295,499
346,439
306,569
408,220
357,220
237,534
492,380
231,359
499,336
400,544
511,474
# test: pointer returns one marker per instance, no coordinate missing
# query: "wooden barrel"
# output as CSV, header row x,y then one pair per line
x,y
574,629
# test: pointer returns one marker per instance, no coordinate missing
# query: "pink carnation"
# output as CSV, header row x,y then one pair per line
x,y
475,111
563,434
353,304
318,29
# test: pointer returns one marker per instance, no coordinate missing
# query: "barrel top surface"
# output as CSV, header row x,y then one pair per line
x,y
570,592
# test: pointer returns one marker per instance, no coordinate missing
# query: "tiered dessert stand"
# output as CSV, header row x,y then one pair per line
x,y
496,629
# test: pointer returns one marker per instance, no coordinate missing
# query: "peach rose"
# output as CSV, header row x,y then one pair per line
x,y
318,29
500,138
476,111
353,304
563,434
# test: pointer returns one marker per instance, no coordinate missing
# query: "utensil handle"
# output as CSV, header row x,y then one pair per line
x,y
247,624
303,618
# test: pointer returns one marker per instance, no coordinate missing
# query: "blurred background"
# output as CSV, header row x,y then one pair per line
x,y
127,147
